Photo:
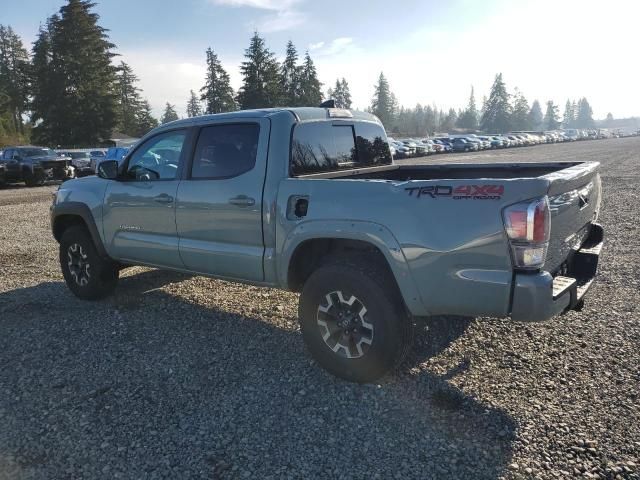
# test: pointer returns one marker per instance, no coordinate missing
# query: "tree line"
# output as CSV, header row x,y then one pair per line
x,y
69,90
500,112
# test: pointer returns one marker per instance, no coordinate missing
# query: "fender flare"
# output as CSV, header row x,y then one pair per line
x,y
81,210
375,234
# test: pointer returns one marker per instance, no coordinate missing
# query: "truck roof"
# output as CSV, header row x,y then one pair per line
x,y
301,114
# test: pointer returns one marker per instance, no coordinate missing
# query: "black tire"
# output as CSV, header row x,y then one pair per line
x,y
385,326
32,179
88,275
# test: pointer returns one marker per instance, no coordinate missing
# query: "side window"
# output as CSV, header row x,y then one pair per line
x,y
322,147
158,158
8,154
225,151
373,148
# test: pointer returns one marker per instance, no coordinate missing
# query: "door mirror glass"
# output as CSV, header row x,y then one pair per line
x,y
108,169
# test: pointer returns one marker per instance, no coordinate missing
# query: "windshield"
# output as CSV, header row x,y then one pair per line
x,y
36,152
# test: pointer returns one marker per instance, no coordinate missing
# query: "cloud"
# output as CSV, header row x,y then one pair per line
x,y
315,46
280,21
284,15
277,5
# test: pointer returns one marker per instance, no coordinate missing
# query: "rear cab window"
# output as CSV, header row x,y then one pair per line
x,y
328,146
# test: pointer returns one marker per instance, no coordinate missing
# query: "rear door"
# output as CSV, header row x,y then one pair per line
x,y
219,206
139,218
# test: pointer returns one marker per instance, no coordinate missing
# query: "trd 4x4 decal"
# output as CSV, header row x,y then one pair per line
x,y
461,192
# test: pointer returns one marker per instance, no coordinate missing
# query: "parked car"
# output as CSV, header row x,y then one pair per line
x,y
34,165
402,151
81,162
364,254
463,145
446,146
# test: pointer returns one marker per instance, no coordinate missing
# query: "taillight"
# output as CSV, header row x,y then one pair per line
x,y
528,226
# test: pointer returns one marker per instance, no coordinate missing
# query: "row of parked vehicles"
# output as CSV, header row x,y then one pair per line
x,y
35,165
469,142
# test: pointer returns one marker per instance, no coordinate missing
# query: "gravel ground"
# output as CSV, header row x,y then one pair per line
x,y
187,377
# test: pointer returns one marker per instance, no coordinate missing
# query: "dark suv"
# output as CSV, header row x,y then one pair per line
x,y
34,165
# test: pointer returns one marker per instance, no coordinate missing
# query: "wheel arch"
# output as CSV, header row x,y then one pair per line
x,y
310,242
71,214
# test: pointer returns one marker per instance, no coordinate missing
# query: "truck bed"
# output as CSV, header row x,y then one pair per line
x,y
451,171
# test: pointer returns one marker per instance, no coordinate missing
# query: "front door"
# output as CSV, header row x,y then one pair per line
x,y
219,209
139,217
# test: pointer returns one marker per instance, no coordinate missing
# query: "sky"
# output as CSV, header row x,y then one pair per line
x,y
432,52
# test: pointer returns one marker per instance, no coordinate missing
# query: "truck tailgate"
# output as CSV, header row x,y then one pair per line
x,y
574,198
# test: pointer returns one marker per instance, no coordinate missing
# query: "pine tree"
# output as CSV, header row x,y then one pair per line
x,y
520,112
469,118
584,115
551,116
497,114
146,121
449,121
217,93
609,121
345,100
569,117
128,99
341,94
74,99
290,77
310,86
193,105
384,104
14,79
169,114
261,79
535,115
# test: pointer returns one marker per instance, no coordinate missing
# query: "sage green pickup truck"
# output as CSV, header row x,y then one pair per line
x,y
310,200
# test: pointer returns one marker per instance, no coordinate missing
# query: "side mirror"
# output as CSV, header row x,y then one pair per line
x,y
108,169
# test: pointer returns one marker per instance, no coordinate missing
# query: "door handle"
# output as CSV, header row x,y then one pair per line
x,y
242,201
163,198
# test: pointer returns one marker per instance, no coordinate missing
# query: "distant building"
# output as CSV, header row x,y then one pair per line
x,y
119,139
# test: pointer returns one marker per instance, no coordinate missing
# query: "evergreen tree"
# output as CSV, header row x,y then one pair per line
x,y
193,105
584,115
497,114
609,121
290,77
128,99
217,93
551,116
341,94
384,104
569,117
169,114
520,112
310,86
74,99
14,79
261,77
146,121
450,120
469,118
535,115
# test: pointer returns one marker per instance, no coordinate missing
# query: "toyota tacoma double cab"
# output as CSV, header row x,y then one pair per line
x,y
310,200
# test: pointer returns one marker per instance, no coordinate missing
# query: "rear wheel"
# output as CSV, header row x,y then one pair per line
x,y
88,275
353,320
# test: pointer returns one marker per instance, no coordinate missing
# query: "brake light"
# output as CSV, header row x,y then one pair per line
x,y
528,226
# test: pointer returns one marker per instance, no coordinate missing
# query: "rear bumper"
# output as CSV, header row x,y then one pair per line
x,y
540,296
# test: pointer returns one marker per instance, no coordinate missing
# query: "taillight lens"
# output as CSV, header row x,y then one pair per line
x,y
528,226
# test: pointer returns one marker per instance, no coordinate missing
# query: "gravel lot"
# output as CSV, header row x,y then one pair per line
x,y
187,377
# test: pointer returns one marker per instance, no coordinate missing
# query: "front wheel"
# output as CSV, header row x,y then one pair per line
x,y
353,321
88,275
